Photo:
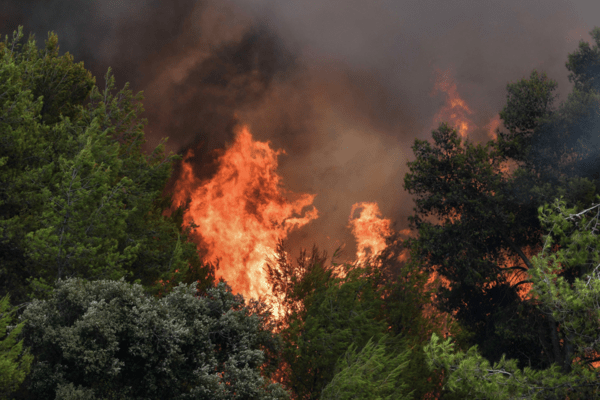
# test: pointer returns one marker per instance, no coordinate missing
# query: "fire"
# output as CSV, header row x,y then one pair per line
x,y
242,211
456,110
369,229
492,126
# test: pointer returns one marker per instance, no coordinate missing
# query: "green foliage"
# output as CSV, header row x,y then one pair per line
x,y
478,226
14,360
566,280
69,392
572,303
404,288
528,103
327,308
78,196
563,142
472,222
584,64
343,313
109,339
566,146
371,374
407,295
474,377
555,141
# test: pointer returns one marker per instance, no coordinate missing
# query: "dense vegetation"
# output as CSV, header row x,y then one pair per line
x,y
129,345
111,300
78,196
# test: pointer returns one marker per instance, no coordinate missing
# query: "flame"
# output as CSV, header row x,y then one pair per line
x,y
242,211
456,110
369,229
492,126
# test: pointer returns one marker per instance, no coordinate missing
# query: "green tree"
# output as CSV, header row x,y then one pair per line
x,y
572,243
478,226
326,309
343,313
111,340
371,374
553,144
78,196
474,230
584,64
14,360
407,293
528,103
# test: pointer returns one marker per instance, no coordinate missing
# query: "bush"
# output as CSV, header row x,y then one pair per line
x,y
108,339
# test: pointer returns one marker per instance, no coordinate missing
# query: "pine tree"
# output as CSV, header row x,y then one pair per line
x,y
79,198
15,361
571,302
374,373
477,219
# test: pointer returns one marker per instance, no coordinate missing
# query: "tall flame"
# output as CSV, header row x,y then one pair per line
x,y
369,228
456,110
242,211
494,124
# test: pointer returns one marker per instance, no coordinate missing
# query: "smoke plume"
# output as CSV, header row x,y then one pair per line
x,y
344,87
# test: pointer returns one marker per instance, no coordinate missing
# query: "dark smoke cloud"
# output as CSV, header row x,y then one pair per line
x,y
344,86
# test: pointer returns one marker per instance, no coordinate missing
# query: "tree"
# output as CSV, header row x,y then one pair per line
x,y
14,360
343,313
474,229
545,139
407,292
553,144
326,309
78,196
478,226
572,243
371,374
528,103
109,339
584,64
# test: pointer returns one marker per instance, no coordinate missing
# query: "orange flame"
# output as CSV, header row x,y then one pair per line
x,y
369,229
456,110
492,126
241,211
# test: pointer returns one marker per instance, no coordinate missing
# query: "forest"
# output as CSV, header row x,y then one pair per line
x,y
496,295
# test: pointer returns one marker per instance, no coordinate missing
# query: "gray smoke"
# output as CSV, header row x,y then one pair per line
x,y
344,86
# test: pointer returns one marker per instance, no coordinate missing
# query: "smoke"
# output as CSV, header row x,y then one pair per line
x,y
344,87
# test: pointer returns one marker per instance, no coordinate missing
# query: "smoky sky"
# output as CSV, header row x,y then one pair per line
x,y
343,86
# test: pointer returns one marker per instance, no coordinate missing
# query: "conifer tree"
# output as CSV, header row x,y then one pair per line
x,y
15,361
374,373
329,309
572,243
477,220
78,196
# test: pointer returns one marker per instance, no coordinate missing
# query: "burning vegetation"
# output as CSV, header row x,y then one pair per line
x,y
369,229
242,211
496,253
